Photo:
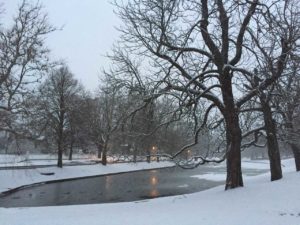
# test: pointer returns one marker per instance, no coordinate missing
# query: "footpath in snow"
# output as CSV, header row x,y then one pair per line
x,y
259,202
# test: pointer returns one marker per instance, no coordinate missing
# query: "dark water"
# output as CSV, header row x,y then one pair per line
x,y
115,188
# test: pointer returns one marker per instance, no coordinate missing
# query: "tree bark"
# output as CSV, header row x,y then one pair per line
x,y
59,154
134,154
60,145
104,158
295,148
60,131
296,152
272,143
234,137
148,157
71,150
104,155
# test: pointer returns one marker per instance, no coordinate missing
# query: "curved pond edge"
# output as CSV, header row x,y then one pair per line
x,y
13,190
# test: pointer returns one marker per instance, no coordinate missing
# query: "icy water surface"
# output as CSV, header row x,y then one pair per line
x,y
132,186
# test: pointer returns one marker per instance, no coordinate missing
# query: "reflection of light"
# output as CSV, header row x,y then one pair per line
x,y
154,180
154,193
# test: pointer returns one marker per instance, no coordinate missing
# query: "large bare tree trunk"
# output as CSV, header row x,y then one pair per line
x,y
104,155
60,132
148,157
71,149
104,158
233,135
134,153
272,143
59,154
60,147
296,152
292,139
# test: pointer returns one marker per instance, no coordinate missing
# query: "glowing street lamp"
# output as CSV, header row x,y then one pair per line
x,y
155,151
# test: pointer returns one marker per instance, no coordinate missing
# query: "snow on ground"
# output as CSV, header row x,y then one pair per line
x,y
252,164
246,164
259,164
10,160
259,202
15,178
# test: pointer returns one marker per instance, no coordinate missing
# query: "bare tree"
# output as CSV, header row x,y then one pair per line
x,y
287,102
24,58
107,112
95,124
76,135
283,27
198,54
268,131
55,98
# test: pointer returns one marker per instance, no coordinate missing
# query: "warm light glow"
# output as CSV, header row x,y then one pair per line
x,y
154,193
154,180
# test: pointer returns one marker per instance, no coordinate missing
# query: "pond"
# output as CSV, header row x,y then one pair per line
x,y
133,186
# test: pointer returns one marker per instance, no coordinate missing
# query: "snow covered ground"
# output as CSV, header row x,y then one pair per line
x,y
7,160
246,164
259,202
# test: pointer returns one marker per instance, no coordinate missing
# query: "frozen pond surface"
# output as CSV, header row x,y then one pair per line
x,y
125,187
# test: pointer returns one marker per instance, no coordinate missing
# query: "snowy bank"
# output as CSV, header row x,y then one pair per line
x,y
12,160
287,165
259,202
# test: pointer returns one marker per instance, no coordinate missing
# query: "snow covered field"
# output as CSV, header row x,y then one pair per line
x,y
259,202
7,160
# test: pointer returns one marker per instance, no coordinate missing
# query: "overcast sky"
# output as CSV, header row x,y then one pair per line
x,y
88,34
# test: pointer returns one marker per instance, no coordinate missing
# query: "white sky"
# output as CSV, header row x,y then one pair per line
x,y
88,34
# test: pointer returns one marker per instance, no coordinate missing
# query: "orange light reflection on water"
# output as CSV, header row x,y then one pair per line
x,y
154,181
154,193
